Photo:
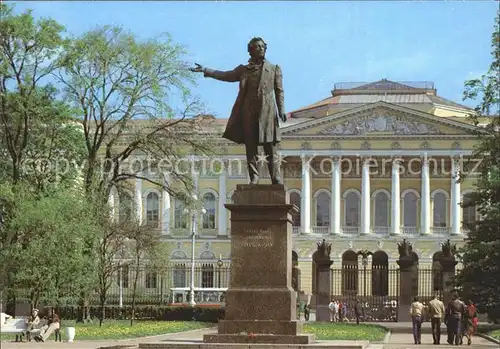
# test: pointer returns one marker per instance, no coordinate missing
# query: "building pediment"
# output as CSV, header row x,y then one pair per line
x,y
386,124
379,119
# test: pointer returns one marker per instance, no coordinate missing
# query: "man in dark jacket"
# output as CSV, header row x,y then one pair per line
x,y
454,315
254,117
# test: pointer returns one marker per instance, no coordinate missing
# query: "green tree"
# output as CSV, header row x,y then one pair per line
x,y
148,254
28,51
111,245
480,255
124,88
51,253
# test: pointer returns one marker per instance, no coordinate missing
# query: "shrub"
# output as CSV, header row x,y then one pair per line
x,y
202,313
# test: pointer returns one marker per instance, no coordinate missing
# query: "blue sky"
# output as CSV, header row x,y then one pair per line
x,y
316,43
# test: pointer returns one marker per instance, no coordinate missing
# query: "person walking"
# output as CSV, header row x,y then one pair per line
x,y
470,322
455,311
436,313
331,307
417,315
358,311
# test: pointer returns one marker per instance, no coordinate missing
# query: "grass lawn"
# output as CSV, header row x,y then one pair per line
x,y
490,329
495,334
343,331
120,329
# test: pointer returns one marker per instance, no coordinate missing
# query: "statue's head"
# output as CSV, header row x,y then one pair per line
x,y
257,47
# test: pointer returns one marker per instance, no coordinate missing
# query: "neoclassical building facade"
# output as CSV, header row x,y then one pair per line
x,y
368,166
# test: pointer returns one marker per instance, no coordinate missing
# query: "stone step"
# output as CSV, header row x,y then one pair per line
x,y
345,345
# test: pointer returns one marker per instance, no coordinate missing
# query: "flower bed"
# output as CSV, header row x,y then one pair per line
x,y
343,331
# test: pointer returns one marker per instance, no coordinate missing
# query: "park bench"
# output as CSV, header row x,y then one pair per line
x,y
18,326
14,325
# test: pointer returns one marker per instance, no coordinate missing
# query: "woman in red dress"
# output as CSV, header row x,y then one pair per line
x,y
471,321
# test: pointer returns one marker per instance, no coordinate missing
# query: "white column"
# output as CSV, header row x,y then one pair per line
x,y
111,204
138,200
365,198
305,209
455,197
222,219
425,211
166,208
335,197
395,199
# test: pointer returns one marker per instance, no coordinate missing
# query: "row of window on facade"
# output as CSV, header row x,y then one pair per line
x,y
152,217
205,277
352,209
382,209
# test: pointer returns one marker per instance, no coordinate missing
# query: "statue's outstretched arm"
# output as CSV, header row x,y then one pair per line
x,y
228,76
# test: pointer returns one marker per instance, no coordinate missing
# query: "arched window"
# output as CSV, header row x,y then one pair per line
x,y
437,275
352,210
180,269
180,218
209,216
295,200
380,274
468,211
124,270
152,210
151,279
207,275
439,209
410,202
322,210
349,272
207,270
126,207
381,209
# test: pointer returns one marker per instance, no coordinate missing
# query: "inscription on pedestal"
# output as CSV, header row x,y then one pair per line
x,y
257,238
260,255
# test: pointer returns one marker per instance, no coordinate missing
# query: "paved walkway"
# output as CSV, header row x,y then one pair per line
x,y
87,344
397,340
405,341
402,337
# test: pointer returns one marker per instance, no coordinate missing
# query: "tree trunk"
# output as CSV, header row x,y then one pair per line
x,y
102,313
134,288
83,315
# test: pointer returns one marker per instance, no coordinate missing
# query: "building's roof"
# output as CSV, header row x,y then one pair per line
x,y
349,95
447,102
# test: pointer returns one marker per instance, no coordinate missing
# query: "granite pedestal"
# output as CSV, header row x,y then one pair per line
x,y
260,301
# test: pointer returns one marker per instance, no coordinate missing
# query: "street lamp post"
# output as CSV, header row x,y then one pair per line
x,y
194,220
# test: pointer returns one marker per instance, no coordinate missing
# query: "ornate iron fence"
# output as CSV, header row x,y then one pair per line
x,y
158,286
377,289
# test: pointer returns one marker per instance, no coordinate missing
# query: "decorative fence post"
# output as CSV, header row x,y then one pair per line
x,y
406,264
323,280
448,263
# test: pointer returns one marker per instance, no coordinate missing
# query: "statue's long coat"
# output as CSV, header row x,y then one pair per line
x,y
270,102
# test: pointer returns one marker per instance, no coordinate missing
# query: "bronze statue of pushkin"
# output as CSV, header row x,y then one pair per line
x,y
254,119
